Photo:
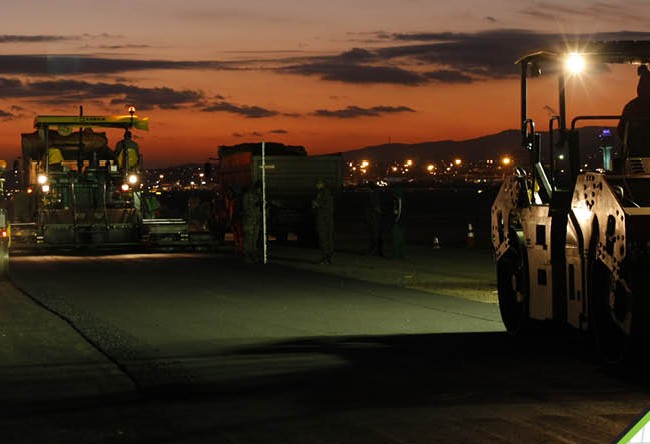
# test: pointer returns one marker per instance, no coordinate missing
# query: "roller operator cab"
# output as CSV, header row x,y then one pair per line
x,y
571,228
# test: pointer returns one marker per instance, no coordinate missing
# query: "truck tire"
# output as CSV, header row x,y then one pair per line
x,y
513,290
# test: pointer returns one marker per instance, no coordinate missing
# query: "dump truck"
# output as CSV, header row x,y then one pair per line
x,y
572,238
290,176
75,191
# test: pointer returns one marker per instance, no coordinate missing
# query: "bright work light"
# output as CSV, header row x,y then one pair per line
x,y
575,63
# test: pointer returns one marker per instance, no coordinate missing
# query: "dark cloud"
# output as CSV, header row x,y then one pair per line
x,y
490,19
6,115
631,13
357,55
356,73
11,88
487,54
253,112
449,76
352,112
70,65
419,58
118,93
7,38
123,46
260,133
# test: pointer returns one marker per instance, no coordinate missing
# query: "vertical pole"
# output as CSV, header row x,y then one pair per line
x,y
264,246
562,100
80,162
524,99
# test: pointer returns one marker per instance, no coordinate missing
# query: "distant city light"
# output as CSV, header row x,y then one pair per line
x,y
430,167
365,164
506,161
394,168
409,162
457,161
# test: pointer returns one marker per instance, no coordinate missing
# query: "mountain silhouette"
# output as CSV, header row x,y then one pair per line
x,y
492,146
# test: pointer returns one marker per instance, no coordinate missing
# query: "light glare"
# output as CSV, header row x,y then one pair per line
x,y
575,63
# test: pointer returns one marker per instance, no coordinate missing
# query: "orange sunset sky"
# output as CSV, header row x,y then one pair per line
x,y
332,76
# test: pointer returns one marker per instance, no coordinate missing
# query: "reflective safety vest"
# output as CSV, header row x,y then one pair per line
x,y
132,154
54,156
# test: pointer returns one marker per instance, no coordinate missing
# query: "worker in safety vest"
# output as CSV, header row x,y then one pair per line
x,y
54,158
127,153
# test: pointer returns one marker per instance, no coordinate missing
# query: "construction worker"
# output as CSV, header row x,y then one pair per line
x,y
236,217
634,126
150,206
127,153
252,222
323,206
398,222
374,220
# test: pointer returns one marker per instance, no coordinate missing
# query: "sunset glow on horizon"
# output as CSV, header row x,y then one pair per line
x,y
332,77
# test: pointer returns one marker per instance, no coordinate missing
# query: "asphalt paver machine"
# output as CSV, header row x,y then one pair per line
x,y
74,192
572,240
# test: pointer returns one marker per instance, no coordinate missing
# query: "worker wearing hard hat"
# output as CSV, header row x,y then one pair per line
x,y
127,153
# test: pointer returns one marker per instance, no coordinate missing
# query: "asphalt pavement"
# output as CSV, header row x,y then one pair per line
x,y
37,345
43,359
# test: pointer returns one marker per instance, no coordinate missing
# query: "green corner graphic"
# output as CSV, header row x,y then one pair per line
x,y
639,433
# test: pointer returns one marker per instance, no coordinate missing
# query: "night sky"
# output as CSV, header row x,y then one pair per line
x,y
331,76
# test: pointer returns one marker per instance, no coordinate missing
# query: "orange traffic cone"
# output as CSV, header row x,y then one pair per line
x,y
436,243
471,241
